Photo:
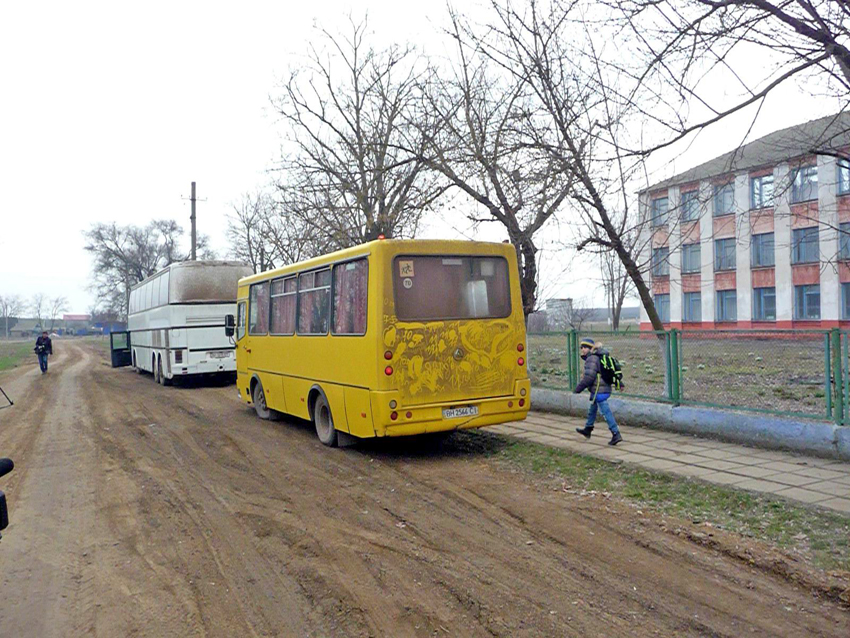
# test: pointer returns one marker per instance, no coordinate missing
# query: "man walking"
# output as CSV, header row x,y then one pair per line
x,y
600,391
43,348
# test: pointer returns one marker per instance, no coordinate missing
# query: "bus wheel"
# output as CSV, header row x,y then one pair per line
x,y
155,369
160,377
324,421
258,396
136,367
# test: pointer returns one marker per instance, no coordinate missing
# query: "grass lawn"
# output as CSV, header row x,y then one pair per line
x,y
16,353
726,369
822,535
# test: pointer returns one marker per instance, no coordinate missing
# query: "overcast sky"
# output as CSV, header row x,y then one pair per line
x,y
109,110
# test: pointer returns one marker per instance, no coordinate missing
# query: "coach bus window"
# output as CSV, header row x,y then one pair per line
x,y
163,288
314,302
438,288
350,289
258,315
283,306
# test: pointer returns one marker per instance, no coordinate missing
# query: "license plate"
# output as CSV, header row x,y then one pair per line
x,y
218,355
457,413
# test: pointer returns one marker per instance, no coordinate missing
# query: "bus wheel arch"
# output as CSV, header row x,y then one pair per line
x,y
320,412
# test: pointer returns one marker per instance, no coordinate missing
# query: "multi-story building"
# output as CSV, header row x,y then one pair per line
x,y
756,238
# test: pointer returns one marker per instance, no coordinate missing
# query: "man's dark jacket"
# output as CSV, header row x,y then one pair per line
x,y
43,344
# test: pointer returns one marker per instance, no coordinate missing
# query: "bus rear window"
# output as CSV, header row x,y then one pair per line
x,y
433,288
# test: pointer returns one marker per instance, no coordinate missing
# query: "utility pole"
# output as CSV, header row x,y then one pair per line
x,y
194,227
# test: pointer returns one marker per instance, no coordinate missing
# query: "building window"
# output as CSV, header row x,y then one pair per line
x,y
659,211
692,307
804,246
690,258
660,262
690,205
724,254
761,192
662,306
807,302
727,306
804,184
844,240
762,253
764,304
724,199
845,301
843,177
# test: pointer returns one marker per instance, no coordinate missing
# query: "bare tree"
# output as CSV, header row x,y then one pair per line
x,y
262,234
676,45
38,308
580,121
11,308
616,281
349,110
125,255
56,306
481,147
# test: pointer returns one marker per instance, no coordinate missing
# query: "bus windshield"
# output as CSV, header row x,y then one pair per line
x,y
436,288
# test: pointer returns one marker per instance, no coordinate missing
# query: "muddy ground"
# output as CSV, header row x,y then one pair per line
x,y
139,510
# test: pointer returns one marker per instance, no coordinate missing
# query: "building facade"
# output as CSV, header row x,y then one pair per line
x,y
757,238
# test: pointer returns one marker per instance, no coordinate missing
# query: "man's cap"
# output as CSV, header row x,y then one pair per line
x,y
587,342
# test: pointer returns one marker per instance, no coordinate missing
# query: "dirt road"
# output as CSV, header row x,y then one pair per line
x,y
139,510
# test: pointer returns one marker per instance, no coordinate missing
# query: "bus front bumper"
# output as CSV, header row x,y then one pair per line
x,y
423,419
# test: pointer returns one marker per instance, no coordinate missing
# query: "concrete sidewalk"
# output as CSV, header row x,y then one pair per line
x,y
811,480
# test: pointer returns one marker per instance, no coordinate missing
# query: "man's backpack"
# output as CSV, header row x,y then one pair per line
x,y
612,372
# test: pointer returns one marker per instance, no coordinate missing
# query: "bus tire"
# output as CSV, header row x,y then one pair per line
x,y
154,369
160,377
136,367
324,422
258,397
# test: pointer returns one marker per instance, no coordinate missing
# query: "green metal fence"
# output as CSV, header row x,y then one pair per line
x,y
802,373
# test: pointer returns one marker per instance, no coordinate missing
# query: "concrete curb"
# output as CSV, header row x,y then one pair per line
x,y
765,431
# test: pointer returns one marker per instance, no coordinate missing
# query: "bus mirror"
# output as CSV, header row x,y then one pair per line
x,y
229,325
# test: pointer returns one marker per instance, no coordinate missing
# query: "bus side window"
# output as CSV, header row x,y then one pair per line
x,y
240,321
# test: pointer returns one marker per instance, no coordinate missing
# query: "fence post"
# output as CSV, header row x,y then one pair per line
x,y
675,364
837,380
827,375
572,354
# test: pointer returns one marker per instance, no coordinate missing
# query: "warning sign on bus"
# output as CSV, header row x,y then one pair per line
x,y
405,268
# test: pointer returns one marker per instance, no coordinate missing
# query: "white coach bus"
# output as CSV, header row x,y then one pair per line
x,y
176,320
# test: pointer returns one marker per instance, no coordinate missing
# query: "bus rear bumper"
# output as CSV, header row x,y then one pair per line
x,y
423,419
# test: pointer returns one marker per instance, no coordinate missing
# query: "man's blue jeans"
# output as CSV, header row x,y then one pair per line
x,y
600,403
42,361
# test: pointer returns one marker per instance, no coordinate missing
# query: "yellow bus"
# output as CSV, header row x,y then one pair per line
x,y
390,338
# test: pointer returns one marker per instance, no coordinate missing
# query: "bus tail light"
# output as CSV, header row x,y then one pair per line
x,y
388,370
388,355
510,404
393,404
394,415
409,415
178,356
521,402
520,347
520,361
522,392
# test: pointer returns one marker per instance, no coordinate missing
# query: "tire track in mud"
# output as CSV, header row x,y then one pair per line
x,y
207,521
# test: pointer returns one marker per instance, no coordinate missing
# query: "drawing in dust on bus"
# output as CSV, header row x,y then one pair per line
x,y
390,338
175,321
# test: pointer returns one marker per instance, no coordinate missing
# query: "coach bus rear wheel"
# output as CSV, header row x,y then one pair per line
x,y
160,377
324,421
